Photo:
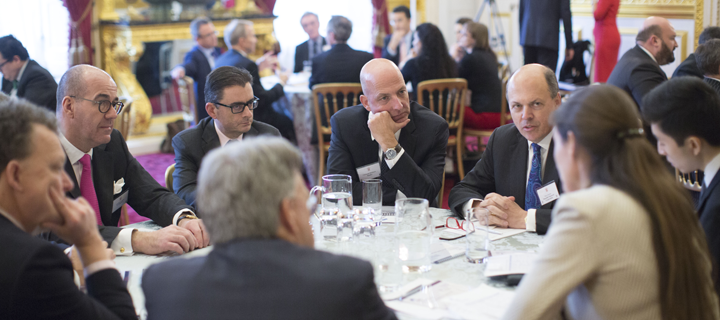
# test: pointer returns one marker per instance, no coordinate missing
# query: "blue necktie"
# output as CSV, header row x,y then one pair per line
x,y
532,201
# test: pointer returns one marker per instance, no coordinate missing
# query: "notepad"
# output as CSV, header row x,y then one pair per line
x,y
503,265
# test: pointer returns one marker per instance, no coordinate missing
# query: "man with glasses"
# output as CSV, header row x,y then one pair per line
x,y
105,173
230,104
305,51
200,60
23,77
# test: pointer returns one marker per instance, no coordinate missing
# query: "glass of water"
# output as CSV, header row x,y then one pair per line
x,y
477,241
336,190
372,198
413,230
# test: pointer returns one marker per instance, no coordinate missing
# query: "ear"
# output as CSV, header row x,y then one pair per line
x,y
12,174
557,100
365,102
68,109
695,145
287,226
211,110
570,144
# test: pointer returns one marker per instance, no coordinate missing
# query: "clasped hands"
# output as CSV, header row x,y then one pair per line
x,y
503,211
383,129
190,234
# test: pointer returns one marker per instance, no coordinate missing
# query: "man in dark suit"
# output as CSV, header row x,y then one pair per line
x,y
230,106
539,29
341,63
396,46
240,37
708,62
390,138
518,159
684,114
256,207
305,51
689,66
23,77
200,60
36,277
107,175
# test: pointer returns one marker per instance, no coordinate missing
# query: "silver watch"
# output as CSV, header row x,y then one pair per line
x,y
391,153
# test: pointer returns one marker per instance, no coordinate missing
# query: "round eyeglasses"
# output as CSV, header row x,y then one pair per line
x,y
105,105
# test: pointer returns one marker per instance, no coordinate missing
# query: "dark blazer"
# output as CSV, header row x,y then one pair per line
x,y
302,53
637,73
480,70
715,84
339,64
688,68
37,283
708,209
197,67
419,171
263,279
36,85
110,163
386,55
192,144
504,171
539,23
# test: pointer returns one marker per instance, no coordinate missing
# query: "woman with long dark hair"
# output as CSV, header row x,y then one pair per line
x,y
625,242
432,59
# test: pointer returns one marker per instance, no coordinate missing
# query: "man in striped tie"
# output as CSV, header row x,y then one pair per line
x,y
518,160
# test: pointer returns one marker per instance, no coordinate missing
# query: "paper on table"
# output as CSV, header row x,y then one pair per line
x,y
419,312
481,303
519,263
407,288
429,305
442,252
495,233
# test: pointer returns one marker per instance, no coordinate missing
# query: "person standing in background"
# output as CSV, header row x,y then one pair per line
x,y
540,30
607,38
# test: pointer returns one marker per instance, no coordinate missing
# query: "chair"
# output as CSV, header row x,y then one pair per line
x,y
168,176
122,123
504,118
451,95
324,111
442,190
688,180
503,70
186,91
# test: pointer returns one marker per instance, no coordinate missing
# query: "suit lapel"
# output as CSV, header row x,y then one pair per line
x,y
519,165
75,192
705,195
210,137
102,165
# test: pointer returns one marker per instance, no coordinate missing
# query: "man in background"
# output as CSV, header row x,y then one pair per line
x,y
306,51
539,29
23,77
396,46
200,60
689,66
708,62
341,63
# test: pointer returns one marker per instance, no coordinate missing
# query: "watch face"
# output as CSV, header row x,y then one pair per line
x,y
390,154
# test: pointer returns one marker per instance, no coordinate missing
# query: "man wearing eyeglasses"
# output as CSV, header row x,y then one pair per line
x,y
23,77
108,176
230,104
200,60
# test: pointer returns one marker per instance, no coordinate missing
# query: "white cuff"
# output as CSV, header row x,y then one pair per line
x,y
122,245
530,224
391,51
177,215
391,163
468,205
99,266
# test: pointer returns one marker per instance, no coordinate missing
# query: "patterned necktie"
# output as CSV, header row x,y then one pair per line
x,y
532,201
87,188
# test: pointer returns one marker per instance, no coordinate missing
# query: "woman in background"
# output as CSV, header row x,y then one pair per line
x,y
431,61
607,38
625,242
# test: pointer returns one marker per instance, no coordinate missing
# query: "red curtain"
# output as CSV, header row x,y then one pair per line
x,y
381,25
80,31
267,6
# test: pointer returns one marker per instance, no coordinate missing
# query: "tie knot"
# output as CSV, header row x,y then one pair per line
x,y
536,147
85,160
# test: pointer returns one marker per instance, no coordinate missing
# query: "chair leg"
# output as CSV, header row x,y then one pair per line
x,y
321,165
459,150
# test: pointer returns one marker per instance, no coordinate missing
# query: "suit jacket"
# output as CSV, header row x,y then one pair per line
x,y
37,282
539,23
36,85
263,279
112,162
419,171
637,73
386,55
688,68
302,53
708,209
197,67
597,262
503,170
339,64
191,146
714,83
479,68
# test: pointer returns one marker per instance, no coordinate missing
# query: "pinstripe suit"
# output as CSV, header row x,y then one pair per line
x,y
714,83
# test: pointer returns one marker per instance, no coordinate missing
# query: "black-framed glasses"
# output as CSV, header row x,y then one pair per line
x,y
105,105
239,107
4,63
214,33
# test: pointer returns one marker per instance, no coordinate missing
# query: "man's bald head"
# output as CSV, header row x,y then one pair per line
x,y
384,89
657,36
533,72
532,94
378,70
73,83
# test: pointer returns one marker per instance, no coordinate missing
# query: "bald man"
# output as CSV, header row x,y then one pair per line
x,y
389,137
638,71
105,173
518,159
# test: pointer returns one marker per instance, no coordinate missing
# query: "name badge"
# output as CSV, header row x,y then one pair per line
x,y
120,200
548,193
370,171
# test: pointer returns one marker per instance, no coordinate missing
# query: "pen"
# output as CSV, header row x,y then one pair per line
x,y
416,290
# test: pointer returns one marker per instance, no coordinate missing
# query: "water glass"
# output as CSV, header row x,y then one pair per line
x,y
476,234
413,230
372,197
307,66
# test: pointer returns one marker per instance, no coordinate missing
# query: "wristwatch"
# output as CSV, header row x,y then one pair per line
x,y
186,216
391,153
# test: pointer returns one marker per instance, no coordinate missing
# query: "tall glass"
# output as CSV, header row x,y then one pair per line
x,y
413,230
336,190
477,242
372,198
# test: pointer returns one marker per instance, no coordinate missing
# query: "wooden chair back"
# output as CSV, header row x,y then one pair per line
x,y
186,90
169,176
123,121
446,98
504,112
689,181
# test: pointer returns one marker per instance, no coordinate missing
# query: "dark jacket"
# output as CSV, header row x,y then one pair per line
x,y
540,23
339,64
386,54
480,69
688,68
708,209
714,83
302,53
36,85
197,67
637,73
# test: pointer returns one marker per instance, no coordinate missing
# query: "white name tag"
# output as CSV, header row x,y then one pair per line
x,y
120,200
370,171
548,193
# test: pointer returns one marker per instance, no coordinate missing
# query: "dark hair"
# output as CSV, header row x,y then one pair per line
x,y
341,27
708,34
707,57
480,33
463,20
196,24
645,34
683,107
17,117
224,77
604,120
309,14
402,9
10,47
433,59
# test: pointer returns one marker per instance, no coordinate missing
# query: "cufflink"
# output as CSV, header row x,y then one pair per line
x,y
122,250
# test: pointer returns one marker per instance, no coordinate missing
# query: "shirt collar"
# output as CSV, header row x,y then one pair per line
x,y
706,77
711,170
74,154
545,142
207,51
22,70
12,219
223,138
397,133
648,53
243,53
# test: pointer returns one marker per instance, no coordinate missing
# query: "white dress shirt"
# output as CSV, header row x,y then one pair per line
x,y
223,138
208,55
13,92
648,53
711,170
390,163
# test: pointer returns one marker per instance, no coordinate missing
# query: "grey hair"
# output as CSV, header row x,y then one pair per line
x,y
341,27
71,84
708,57
241,187
235,30
17,120
196,24
309,14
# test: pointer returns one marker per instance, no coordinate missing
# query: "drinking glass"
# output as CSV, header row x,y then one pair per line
x,y
476,234
413,230
372,198
336,190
